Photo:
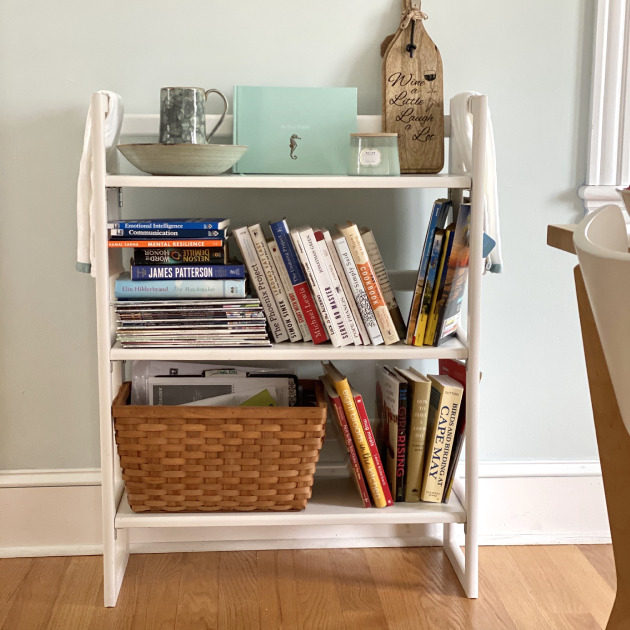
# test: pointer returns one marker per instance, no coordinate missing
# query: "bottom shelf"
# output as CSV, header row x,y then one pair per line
x,y
334,502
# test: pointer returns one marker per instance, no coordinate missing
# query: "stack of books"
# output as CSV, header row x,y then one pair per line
x,y
317,286
421,421
436,304
181,290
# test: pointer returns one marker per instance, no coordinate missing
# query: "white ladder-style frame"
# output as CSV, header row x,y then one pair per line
x,y
118,518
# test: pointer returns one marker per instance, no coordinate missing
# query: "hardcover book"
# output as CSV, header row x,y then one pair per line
x,y
444,404
294,130
439,286
126,288
185,272
171,224
181,255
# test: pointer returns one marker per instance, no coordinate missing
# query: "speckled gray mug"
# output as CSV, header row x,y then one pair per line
x,y
183,115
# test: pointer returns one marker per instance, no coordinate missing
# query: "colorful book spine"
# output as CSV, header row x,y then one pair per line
x,y
401,441
342,387
444,403
273,281
374,254
358,290
171,224
289,290
436,220
345,287
185,272
429,285
165,233
339,293
451,298
126,288
370,283
181,255
369,436
281,235
191,242
438,289
344,431
259,282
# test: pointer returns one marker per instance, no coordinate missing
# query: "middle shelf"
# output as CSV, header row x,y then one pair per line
x,y
453,348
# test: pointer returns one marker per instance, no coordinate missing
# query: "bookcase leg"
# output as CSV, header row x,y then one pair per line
x,y
464,562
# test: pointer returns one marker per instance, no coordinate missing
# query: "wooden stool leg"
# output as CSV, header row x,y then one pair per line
x,y
613,443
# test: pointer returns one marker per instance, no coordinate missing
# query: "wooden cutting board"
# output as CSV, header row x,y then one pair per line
x,y
413,95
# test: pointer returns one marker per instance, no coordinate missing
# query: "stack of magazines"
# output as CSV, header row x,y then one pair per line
x,y
190,323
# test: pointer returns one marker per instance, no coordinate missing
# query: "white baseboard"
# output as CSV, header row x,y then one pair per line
x,y
521,503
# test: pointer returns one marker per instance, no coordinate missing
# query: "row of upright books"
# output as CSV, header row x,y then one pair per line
x,y
317,286
442,273
182,290
413,453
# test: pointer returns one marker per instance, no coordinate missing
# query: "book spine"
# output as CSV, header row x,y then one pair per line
x,y
273,281
165,233
345,287
257,277
358,291
164,224
180,255
343,428
401,444
342,300
360,442
315,290
438,289
289,290
417,440
427,292
370,283
126,288
369,436
324,285
438,215
280,231
190,242
374,254
445,409
185,272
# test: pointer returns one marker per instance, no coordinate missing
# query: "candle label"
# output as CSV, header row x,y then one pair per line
x,y
370,157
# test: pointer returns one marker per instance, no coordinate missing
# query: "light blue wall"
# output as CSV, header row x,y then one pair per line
x,y
533,60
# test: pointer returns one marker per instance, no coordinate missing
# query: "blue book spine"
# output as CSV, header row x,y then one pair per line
x,y
166,233
171,224
129,289
186,272
280,231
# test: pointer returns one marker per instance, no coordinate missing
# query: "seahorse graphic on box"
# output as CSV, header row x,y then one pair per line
x,y
293,145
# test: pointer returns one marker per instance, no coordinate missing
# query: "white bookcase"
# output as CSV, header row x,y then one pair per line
x,y
333,503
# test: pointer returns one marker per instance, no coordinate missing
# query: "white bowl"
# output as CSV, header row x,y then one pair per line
x,y
184,158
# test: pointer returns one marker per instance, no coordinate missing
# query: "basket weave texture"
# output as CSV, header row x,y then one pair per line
x,y
218,459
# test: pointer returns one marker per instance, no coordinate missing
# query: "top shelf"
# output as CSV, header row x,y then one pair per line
x,y
288,181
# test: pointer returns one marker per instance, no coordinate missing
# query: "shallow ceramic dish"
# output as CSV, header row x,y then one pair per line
x,y
183,159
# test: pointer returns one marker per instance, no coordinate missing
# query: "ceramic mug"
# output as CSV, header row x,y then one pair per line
x,y
183,115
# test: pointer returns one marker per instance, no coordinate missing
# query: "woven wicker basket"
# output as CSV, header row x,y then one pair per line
x,y
218,459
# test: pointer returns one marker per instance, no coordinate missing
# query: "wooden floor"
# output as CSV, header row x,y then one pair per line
x,y
565,587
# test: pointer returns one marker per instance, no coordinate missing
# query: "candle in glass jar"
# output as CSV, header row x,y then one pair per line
x,y
374,154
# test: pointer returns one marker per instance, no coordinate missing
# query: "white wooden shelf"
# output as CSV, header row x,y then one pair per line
x,y
300,351
442,180
334,502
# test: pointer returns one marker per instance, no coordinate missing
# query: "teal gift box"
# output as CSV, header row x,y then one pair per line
x,y
301,131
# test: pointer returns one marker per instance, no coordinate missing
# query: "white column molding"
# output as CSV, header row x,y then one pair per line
x,y
609,142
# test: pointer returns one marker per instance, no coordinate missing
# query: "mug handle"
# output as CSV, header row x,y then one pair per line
x,y
222,115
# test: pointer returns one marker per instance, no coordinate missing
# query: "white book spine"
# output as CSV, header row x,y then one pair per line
x,y
273,280
358,291
259,281
345,286
276,256
367,236
337,288
319,300
331,301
